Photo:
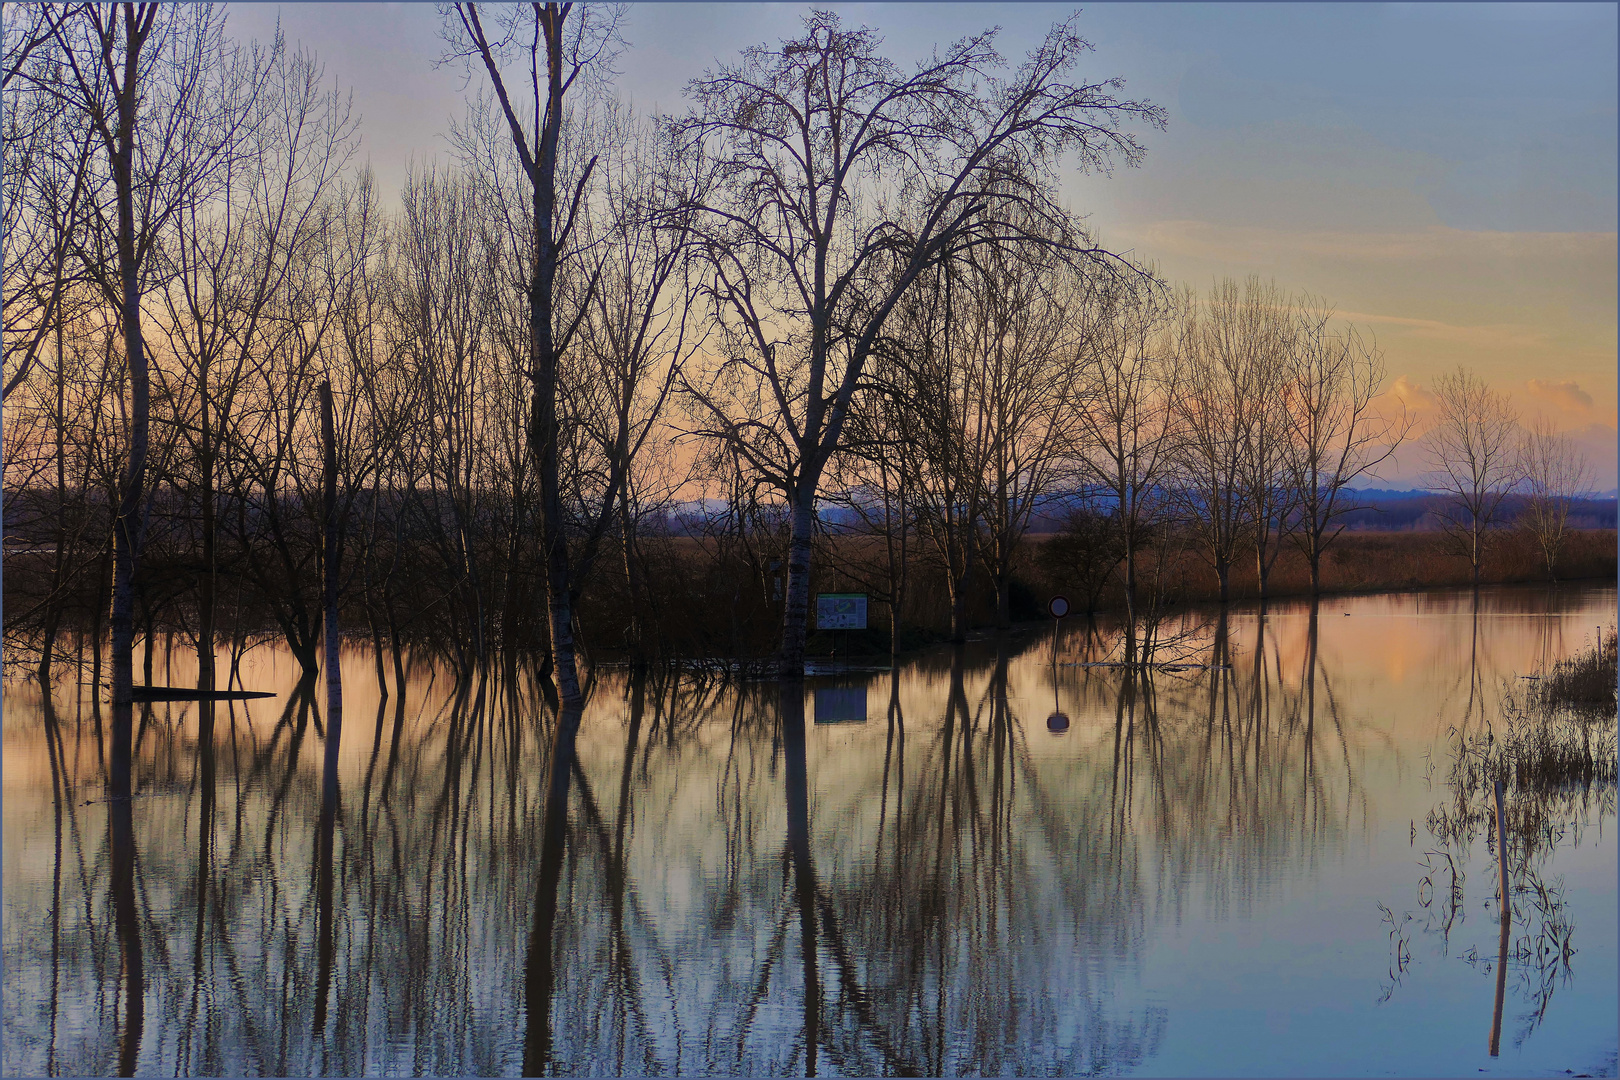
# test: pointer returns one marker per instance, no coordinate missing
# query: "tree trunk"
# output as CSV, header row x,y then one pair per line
x,y
1130,592
959,596
1476,553
331,554
632,585
543,431
132,482
53,607
208,583
377,650
516,595
304,651
48,642
100,609
897,580
796,608
554,543
146,644
396,650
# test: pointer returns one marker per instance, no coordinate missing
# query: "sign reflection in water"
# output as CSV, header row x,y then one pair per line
x,y
841,704
690,878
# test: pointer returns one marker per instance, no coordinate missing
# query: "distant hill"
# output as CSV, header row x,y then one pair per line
x,y
1378,509
1415,509
1388,509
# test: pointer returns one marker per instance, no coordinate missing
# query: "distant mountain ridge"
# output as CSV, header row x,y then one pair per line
x,y
1376,509
1390,494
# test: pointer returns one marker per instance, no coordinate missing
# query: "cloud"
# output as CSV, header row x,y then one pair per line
x,y
1430,245
1499,335
1565,394
1411,394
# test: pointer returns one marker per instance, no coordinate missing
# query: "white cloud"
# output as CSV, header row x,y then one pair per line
x,y
1493,335
1410,394
1435,243
1565,394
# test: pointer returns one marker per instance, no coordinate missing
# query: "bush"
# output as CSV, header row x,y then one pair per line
x,y
1081,555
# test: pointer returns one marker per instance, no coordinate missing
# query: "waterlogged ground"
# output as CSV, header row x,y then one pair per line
x,y
1259,869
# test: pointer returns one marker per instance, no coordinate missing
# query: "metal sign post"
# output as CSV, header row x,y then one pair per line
x,y
1058,722
840,611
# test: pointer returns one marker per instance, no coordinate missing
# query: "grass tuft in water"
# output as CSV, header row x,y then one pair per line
x,y
1585,682
1557,734
1553,749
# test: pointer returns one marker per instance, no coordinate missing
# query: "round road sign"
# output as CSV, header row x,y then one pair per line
x,y
1059,606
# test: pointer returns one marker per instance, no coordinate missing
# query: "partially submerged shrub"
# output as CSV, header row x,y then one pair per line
x,y
1584,683
1553,749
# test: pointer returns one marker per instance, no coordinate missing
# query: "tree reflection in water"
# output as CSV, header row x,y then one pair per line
x,y
690,878
1502,732
121,877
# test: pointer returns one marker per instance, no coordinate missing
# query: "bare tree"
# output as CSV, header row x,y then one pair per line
x,y
232,250
144,77
331,569
940,444
48,314
48,151
973,407
272,465
502,201
381,402
54,429
25,35
1555,475
441,317
1129,427
1029,340
1217,406
873,482
1266,341
640,328
1473,446
1335,434
557,55
839,179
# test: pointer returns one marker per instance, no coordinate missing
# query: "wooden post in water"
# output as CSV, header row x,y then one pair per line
x,y
1507,920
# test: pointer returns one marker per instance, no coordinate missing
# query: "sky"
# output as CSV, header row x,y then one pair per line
x,y
1444,174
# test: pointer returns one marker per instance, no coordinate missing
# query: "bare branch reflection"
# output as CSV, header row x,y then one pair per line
x,y
694,876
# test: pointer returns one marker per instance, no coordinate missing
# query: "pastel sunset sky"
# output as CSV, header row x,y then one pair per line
x,y
1444,174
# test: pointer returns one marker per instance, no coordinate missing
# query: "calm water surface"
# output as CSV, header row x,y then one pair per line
x,y
1250,869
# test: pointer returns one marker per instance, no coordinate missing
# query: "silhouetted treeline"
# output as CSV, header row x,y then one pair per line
x,y
587,322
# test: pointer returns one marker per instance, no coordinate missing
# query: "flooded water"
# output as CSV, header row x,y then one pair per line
x,y
998,859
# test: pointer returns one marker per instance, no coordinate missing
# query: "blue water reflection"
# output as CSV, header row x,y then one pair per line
x,y
1250,865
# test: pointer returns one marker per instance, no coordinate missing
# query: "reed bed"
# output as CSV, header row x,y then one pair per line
x,y
1584,683
1553,748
